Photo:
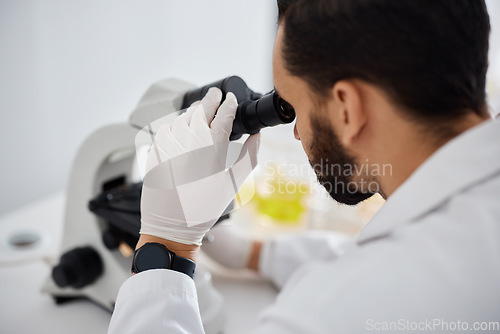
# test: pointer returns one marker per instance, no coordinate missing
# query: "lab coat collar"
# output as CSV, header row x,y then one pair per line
x,y
459,164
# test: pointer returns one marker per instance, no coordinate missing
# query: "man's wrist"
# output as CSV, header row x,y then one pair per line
x,y
180,249
254,258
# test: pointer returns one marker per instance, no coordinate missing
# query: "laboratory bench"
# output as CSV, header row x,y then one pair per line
x,y
30,239
24,269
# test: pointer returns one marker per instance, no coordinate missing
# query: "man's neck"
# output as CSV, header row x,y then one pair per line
x,y
412,148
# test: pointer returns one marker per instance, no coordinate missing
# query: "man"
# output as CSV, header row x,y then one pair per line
x,y
385,81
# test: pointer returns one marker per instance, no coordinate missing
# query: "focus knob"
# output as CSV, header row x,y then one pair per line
x,y
78,267
110,239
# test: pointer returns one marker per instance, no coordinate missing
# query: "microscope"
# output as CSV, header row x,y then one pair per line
x,y
102,213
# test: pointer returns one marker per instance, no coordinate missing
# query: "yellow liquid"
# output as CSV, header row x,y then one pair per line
x,y
283,201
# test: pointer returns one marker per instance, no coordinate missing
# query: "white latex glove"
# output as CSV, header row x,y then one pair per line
x,y
190,175
228,246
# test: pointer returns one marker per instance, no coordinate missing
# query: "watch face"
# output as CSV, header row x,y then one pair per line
x,y
152,256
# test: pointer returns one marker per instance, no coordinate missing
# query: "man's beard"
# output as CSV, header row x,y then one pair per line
x,y
326,147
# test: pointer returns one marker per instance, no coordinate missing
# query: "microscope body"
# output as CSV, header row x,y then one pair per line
x,y
90,265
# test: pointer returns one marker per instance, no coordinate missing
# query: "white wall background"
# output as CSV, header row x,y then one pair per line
x,y
70,67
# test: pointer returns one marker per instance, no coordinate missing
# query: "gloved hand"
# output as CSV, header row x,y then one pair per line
x,y
228,246
191,176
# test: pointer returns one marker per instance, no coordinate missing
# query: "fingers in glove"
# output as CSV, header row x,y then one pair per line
x,y
199,126
223,121
190,110
189,138
194,104
165,142
247,160
211,102
252,145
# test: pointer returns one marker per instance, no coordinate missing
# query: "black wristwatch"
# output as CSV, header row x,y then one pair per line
x,y
154,255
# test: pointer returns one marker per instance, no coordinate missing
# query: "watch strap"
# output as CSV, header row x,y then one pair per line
x,y
183,265
176,263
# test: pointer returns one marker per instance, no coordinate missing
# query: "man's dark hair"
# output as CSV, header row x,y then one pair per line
x,y
429,56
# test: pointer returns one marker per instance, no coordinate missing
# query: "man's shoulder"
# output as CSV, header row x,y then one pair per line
x,y
401,277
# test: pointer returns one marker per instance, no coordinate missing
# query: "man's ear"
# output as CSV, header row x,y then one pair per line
x,y
351,114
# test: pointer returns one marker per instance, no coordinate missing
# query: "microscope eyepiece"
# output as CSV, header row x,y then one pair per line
x,y
254,110
285,109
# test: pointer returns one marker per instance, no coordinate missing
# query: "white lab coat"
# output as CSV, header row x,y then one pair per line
x,y
431,255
